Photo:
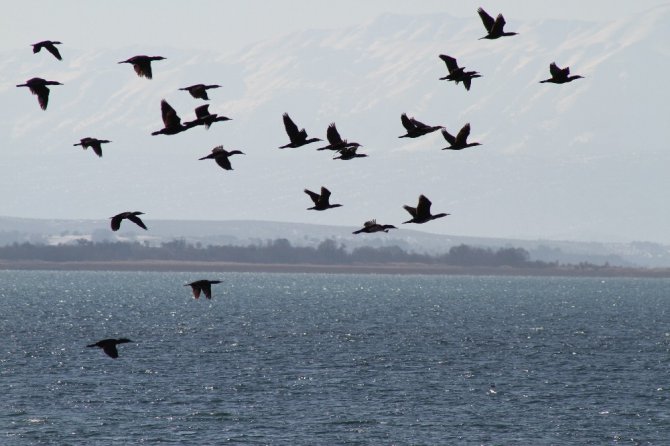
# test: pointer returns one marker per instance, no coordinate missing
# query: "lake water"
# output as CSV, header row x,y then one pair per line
x,y
317,359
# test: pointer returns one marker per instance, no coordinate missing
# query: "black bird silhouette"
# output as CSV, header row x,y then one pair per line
x,y
220,155
335,140
199,91
142,64
421,213
416,128
456,73
494,28
560,75
132,216
49,45
204,117
93,143
298,137
202,285
38,87
171,121
349,153
371,226
460,141
109,346
322,201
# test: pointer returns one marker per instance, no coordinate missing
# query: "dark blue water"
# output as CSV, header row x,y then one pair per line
x,y
311,359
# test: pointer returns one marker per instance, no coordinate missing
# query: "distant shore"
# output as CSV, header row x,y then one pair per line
x,y
405,268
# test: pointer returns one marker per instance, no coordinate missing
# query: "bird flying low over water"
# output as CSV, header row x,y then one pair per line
x,y
298,137
456,73
142,64
132,216
335,141
494,28
49,45
321,201
199,91
93,143
460,141
204,117
349,153
560,75
171,121
421,213
220,155
202,285
416,128
371,226
109,346
38,87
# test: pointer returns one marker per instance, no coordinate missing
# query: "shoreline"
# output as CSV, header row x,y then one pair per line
x,y
405,268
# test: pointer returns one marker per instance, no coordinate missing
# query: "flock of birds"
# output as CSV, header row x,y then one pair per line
x,y
172,124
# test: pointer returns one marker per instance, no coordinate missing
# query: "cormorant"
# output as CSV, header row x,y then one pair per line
x,y
349,153
298,137
38,87
109,346
371,226
132,216
416,128
560,75
220,155
171,121
199,91
335,140
49,45
204,117
142,64
494,28
202,285
421,213
456,73
321,202
460,141
93,143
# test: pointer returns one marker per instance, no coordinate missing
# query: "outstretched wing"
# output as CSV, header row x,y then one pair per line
x,y
207,289
196,290
50,47
452,65
116,222
169,115
487,20
202,111
498,25
418,124
423,208
313,195
410,209
291,129
135,219
370,223
449,137
333,135
325,194
407,122
555,70
111,350
223,161
463,134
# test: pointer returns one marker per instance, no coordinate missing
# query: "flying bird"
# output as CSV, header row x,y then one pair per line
x,y
421,213
298,137
560,75
38,87
416,128
460,141
204,117
372,226
142,64
458,74
93,143
199,91
220,155
204,286
109,346
132,216
321,201
49,45
171,121
349,153
494,28
335,141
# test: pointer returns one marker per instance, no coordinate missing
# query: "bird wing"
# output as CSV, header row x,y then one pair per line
x,y
407,122
135,219
42,93
555,71
498,25
462,136
487,20
449,137
143,68
452,65
53,50
467,81
224,162
116,222
333,135
291,129
370,223
418,124
96,148
410,209
207,289
325,194
195,287
111,350
313,195
423,208
202,111
169,115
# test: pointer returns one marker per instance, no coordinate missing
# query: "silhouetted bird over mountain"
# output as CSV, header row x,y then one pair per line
x,y
349,153
93,143
456,73
142,64
109,346
38,87
460,141
132,216
298,137
494,28
199,91
335,140
204,286
321,201
560,75
49,45
220,155
416,128
421,213
171,121
204,117
372,226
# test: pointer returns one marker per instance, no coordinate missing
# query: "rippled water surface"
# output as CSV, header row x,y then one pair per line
x,y
315,359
